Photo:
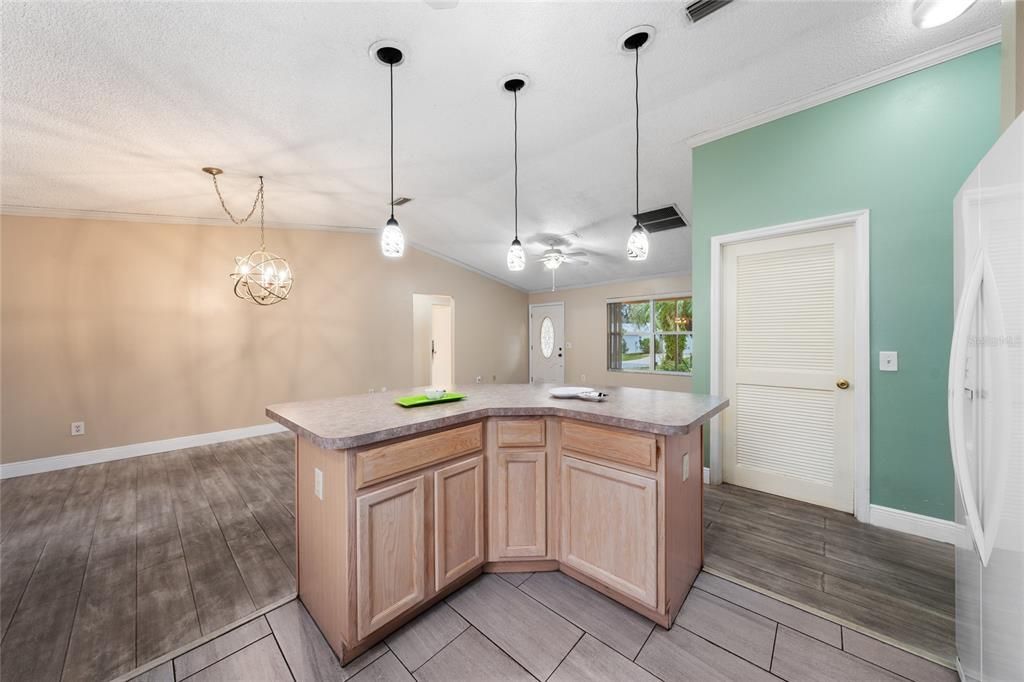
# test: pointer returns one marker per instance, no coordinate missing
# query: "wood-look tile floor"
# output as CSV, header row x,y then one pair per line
x,y
547,626
106,567
899,586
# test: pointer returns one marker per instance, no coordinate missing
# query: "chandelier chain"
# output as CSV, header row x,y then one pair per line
x,y
257,201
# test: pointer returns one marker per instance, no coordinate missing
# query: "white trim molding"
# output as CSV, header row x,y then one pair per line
x,y
917,524
77,459
955,49
860,221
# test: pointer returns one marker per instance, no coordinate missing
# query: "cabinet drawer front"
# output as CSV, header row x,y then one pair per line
x,y
390,553
458,520
610,527
387,461
520,432
635,449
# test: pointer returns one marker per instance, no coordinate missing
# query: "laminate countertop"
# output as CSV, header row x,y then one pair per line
x,y
357,420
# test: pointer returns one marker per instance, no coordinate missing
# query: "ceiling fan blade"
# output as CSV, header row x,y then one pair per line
x,y
576,253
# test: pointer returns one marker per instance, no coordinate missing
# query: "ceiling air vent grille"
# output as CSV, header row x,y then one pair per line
x,y
702,8
661,219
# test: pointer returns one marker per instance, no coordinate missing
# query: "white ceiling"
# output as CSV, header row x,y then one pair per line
x,y
115,107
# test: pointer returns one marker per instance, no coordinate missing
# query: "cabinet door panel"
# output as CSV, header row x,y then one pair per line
x,y
390,552
458,520
610,527
519,514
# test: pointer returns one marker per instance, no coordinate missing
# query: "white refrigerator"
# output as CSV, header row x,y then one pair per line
x,y
986,413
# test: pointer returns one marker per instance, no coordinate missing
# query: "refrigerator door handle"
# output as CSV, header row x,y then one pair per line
x,y
995,403
955,404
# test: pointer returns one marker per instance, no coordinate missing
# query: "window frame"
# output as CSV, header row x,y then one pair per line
x,y
650,335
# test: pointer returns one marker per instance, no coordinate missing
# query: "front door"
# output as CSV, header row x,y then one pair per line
x,y
547,344
787,350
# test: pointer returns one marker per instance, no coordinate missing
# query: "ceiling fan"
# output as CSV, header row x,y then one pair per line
x,y
553,257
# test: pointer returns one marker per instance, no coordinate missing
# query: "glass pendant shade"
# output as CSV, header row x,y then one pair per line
x,y
516,256
392,241
637,246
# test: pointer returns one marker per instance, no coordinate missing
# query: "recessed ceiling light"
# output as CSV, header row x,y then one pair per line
x,y
932,13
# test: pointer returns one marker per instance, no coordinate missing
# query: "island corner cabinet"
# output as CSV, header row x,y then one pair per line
x,y
398,507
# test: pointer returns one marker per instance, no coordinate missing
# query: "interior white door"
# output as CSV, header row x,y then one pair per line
x,y
787,351
547,344
441,346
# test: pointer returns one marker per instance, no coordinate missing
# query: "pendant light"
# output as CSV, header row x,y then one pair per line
x,y
638,244
392,241
262,277
516,259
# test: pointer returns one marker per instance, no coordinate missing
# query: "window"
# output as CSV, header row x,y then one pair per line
x,y
651,335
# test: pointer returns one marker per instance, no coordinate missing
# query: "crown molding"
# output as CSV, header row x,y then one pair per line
x,y
955,49
123,216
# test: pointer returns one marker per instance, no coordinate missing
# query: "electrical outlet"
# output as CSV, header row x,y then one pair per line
x,y
77,428
583,377
479,380
318,484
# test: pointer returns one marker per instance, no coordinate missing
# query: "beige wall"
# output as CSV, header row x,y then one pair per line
x,y
133,328
1012,61
586,323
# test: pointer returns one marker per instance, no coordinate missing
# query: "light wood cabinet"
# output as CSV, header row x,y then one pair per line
x,y
519,509
610,527
388,461
390,552
614,445
458,520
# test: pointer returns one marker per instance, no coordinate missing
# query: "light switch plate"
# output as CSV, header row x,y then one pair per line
x,y
318,484
686,467
888,361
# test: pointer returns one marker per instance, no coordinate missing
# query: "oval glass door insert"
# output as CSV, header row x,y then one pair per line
x,y
547,337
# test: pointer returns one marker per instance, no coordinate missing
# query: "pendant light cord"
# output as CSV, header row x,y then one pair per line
x,y
636,96
391,78
515,156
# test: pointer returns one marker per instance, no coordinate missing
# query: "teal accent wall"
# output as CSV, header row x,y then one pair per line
x,y
901,149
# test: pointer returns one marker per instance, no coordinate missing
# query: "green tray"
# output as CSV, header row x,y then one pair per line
x,y
417,400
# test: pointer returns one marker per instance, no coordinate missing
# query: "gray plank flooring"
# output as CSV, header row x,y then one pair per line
x,y
897,585
107,567
458,640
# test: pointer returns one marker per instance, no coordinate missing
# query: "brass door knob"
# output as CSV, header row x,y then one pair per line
x,y
843,384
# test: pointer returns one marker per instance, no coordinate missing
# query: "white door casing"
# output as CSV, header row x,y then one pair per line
x,y
790,321
547,343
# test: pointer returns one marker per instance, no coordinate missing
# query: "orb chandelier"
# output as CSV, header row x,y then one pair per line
x,y
262,277
516,258
638,243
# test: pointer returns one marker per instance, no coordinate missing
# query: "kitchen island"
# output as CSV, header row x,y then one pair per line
x,y
398,507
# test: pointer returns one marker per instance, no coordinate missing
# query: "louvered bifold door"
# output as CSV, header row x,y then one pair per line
x,y
787,349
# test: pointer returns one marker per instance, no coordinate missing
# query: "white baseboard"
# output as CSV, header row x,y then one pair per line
x,y
77,459
916,524
707,475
